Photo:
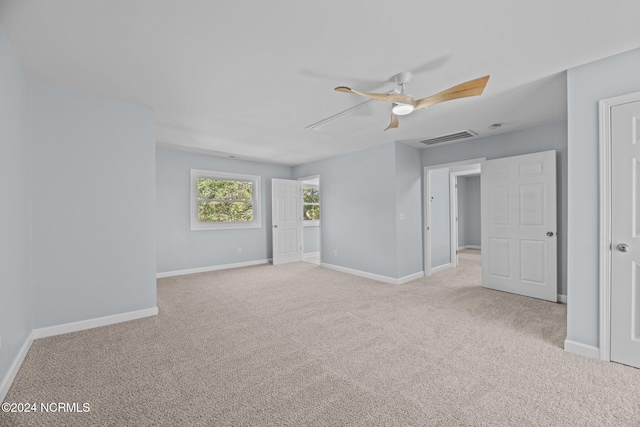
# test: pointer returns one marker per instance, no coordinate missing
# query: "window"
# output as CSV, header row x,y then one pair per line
x,y
221,200
311,204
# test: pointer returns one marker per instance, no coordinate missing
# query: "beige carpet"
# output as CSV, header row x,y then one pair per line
x,y
298,345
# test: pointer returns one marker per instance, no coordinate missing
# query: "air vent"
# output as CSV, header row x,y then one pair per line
x,y
448,138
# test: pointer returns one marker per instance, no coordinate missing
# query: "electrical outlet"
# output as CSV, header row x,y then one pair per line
x,y
239,250
335,252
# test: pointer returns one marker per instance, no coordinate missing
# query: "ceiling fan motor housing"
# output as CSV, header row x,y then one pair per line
x,y
402,78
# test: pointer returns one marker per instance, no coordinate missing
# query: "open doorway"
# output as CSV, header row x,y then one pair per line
x,y
311,219
465,209
443,213
518,222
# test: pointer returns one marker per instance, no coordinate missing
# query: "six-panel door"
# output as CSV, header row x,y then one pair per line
x,y
287,220
625,234
519,244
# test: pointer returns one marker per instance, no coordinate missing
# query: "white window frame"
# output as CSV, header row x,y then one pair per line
x,y
308,222
196,225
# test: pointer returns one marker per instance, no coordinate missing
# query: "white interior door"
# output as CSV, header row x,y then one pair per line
x,y
454,218
519,245
625,234
287,220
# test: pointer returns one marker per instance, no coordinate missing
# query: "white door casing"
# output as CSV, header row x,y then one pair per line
x,y
519,243
625,233
287,220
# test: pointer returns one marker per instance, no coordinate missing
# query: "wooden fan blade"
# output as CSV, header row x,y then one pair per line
x,y
389,97
463,90
394,122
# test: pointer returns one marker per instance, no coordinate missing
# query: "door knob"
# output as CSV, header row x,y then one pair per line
x,y
550,233
623,247
275,226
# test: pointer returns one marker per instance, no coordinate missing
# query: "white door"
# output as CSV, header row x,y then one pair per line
x,y
625,234
287,220
519,244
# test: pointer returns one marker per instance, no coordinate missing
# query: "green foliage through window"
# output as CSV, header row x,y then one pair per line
x,y
224,200
311,203
311,195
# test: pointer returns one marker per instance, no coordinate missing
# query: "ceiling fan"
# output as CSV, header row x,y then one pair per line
x,y
404,103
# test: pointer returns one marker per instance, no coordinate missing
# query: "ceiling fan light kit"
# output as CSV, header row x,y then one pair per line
x,y
404,104
400,109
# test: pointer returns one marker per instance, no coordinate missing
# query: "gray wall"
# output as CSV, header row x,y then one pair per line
x,y
311,240
15,216
94,221
541,138
408,210
358,209
179,248
586,85
469,211
363,196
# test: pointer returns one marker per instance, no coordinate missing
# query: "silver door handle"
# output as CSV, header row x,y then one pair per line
x,y
550,233
623,247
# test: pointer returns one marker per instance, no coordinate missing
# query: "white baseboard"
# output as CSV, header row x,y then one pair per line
x,y
65,328
580,349
441,267
311,256
5,385
409,278
562,298
211,268
373,276
469,247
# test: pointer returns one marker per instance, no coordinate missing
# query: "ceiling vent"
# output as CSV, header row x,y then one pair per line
x,y
449,138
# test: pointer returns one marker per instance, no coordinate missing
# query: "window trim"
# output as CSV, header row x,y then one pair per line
x,y
310,222
196,225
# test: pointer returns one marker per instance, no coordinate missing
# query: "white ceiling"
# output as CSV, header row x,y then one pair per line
x,y
245,78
